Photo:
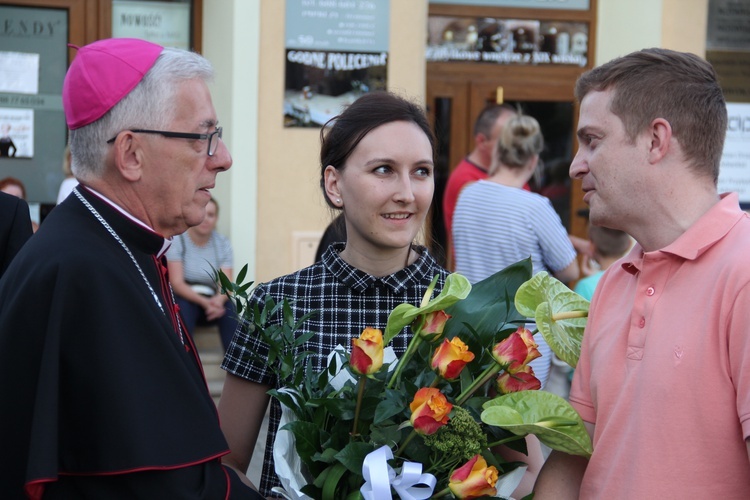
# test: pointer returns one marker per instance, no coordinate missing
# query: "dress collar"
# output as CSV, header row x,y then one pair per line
x,y
359,281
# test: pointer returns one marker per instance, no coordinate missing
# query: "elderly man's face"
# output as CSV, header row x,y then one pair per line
x,y
179,173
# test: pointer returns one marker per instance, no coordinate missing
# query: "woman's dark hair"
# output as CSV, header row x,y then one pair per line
x,y
342,133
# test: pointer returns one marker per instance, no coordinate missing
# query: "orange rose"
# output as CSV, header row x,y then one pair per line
x,y
516,350
474,479
431,325
429,410
367,352
521,380
451,357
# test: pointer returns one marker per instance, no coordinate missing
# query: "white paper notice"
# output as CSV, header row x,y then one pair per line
x,y
735,161
19,72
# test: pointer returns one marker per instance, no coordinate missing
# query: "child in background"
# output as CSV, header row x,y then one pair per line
x,y
607,246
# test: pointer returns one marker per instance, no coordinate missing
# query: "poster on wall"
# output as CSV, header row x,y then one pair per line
x,y
16,133
336,50
506,41
734,173
163,23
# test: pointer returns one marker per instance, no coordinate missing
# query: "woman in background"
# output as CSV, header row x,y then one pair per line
x,y
497,223
69,182
192,260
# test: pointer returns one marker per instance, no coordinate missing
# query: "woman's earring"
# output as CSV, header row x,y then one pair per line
x,y
338,201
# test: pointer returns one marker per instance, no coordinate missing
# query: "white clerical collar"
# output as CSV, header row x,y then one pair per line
x,y
167,241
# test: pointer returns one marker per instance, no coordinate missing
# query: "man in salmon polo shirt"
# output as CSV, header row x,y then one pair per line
x,y
663,382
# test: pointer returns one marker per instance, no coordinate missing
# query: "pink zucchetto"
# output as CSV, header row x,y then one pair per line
x,y
101,74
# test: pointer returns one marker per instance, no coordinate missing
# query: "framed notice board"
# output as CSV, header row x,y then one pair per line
x,y
33,62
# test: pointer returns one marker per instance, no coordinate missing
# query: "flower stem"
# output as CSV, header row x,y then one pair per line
x,y
487,374
360,394
410,350
441,494
406,443
569,315
506,440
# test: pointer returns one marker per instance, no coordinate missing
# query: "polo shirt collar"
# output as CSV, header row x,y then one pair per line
x,y
359,281
699,237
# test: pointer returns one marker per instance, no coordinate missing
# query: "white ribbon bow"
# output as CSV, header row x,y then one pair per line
x,y
411,484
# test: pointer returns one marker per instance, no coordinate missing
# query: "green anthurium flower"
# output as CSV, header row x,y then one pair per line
x,y
560,314
456,288
543,414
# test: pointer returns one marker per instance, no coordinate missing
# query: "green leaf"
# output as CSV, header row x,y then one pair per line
x,y
352,456
455,289
388,408
241,275
388,435
543,414
306,438
332,481
489,305
552,304
328,456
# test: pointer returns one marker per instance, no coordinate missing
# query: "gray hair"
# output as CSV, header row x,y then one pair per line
x,y
149,105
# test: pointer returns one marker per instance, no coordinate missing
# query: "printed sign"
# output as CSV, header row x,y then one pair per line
x,y
506,41
336,51
163,23
734,174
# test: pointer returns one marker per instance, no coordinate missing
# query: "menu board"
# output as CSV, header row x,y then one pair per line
x,y
336,50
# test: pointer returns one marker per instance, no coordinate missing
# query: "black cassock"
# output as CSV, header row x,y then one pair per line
x,y
99,395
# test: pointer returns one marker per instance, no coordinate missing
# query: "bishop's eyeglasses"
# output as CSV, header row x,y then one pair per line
x,y
213,143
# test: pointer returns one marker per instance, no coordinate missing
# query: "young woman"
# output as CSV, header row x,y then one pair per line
x,y
192,259
498,223
377,168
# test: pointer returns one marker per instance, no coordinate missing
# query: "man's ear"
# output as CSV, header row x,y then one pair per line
x,y
128,156
660,139
481,140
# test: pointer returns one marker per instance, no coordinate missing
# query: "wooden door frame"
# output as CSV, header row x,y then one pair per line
x,y
81,16
91,20
104,22
556,81
452,89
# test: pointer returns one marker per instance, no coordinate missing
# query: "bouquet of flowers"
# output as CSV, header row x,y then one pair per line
x,y
426,425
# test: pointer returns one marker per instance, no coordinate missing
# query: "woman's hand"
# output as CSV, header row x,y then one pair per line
x,y
214,307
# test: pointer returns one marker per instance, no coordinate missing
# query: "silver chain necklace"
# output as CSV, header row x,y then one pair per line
x,y
132,258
